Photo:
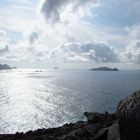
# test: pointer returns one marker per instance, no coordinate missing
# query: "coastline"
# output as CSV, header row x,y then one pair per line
x,y
96,123
124,124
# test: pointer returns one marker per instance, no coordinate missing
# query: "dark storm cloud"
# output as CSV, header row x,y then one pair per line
x,y
52,9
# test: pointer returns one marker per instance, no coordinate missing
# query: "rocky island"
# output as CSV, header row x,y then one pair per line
x,y
56,68
4,67
104,69
124,124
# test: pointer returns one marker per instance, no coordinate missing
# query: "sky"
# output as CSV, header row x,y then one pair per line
x,y
70,33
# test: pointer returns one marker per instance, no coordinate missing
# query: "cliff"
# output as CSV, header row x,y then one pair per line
x,y
124,124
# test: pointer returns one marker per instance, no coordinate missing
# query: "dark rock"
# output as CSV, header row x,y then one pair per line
x,y
113,132
128,113
102,134
129,108
95,117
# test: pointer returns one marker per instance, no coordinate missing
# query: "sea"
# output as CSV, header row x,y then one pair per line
x,y
32,99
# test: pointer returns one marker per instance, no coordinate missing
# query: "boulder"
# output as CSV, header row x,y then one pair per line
x,y
95,117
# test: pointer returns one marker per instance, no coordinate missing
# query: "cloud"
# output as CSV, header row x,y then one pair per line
x,y
72,52
33,37
74,25
100,52
131,53
55,11
2,34
3,42
134,32
9,50
97,52
4,50
50,9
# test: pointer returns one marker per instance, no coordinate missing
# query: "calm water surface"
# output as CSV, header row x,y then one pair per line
x,y
32,99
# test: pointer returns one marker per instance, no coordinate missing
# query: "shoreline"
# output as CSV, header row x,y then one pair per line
x,y
124,124
86,129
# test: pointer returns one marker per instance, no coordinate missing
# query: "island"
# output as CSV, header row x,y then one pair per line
x,y
38,71
56,68
104,69
4,67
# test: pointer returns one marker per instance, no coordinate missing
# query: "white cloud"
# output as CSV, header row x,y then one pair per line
x,y
69,52
3,42
4,50
85,52
64,24
133,32
131,53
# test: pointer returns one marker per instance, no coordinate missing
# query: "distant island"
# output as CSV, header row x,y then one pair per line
x,y
56,68
6,67
104,69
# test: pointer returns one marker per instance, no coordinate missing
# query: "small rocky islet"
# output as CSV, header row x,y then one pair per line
x,y
104,69
6,67
124,124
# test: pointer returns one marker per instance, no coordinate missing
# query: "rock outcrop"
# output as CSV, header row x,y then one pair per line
x,y
113,132
122,125
128,112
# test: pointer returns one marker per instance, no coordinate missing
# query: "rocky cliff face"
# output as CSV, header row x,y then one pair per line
x,y
122,125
